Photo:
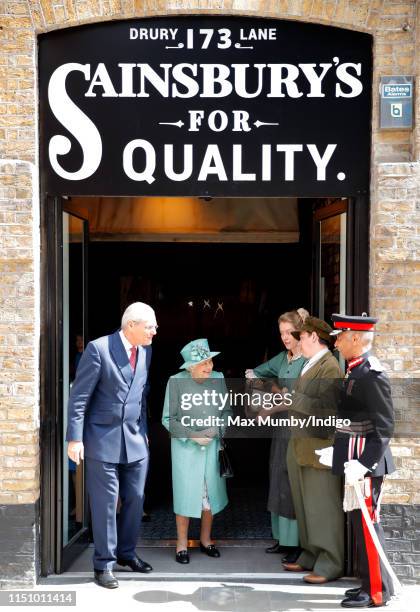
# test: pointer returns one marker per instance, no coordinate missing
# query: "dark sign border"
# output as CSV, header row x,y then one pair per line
x,y
302,121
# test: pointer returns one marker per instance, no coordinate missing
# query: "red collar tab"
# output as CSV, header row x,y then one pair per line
x,y
354,362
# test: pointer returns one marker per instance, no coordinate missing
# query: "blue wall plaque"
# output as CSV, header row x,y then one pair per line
x,y
396,102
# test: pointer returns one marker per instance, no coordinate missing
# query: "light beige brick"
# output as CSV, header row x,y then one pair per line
x,y
394,257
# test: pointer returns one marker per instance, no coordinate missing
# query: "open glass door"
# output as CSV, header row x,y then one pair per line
x,y
72,511
330,228
330,274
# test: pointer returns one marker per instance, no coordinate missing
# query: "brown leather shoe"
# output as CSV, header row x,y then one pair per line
x,y
315,579
293,567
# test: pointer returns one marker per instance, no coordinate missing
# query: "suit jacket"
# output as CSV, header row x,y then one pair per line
x,y
315,394
366,401
106,408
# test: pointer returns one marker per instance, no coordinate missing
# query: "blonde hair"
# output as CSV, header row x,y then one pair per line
x,y
295,317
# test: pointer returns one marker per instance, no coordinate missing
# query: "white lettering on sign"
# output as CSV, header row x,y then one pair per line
x,y
169,163
289,151
102,79
150,161
213,163
321,162
153,33
258,34
397,91
350,80
220,81
76,122
192,80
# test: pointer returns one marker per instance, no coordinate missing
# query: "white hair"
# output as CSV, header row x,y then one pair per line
x,y
138,311
366,338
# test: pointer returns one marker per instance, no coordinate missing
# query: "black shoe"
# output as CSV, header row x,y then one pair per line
x,y
146,518
210,550
352,592
293,555
105,578
362,600
136,564
182,556
275,549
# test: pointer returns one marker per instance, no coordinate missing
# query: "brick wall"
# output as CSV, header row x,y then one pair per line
x,y
401,525
395,227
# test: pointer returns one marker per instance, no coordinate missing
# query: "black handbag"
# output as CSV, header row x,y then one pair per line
x,y
225,466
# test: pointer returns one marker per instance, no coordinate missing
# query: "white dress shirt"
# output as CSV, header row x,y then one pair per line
x,y
312,361
127,344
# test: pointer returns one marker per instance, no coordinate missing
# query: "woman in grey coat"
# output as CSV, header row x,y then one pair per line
x,y
285,368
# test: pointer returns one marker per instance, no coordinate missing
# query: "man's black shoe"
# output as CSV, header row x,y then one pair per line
x,y
362,600
106,579
275,549
136,564
352,592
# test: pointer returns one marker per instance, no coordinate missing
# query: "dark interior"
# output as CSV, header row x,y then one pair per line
x,y
231,294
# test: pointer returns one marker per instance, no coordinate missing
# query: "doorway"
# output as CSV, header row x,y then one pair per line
x,y
231,292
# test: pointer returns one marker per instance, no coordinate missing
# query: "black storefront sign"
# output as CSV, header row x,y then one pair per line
x,y
205,106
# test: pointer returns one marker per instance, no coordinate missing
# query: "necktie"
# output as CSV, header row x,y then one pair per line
x,y
133,357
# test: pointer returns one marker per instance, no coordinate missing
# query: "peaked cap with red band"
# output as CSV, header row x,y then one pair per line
x,y
351,323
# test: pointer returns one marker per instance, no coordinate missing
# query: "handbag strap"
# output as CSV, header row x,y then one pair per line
x,y
222,441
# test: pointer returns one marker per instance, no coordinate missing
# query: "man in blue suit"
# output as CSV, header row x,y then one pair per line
x,y
107,428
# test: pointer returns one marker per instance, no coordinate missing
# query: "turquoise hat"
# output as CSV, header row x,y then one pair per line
x,y
195,352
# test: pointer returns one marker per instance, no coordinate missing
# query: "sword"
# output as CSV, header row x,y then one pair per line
x,y
325,457
375,539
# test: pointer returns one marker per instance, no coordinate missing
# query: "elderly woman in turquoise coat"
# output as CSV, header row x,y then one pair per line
x,y
195,414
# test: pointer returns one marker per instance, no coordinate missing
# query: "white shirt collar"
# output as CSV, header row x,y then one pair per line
x,y
127,344
312,361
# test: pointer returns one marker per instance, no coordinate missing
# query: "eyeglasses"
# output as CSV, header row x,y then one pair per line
x,y
147,327
151,327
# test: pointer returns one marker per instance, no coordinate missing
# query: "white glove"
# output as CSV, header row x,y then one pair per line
x,y
250,374
325,455
354,471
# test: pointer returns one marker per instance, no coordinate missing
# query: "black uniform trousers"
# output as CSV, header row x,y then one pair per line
x,y
375,579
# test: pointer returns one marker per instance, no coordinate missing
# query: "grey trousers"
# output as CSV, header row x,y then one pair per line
x,y
319,511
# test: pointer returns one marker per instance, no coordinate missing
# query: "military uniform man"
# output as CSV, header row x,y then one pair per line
x,y
361,450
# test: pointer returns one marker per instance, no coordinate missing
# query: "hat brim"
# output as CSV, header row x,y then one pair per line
x,y
335,332
188,364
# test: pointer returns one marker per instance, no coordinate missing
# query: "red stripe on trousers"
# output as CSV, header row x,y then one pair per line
x,y
375,577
